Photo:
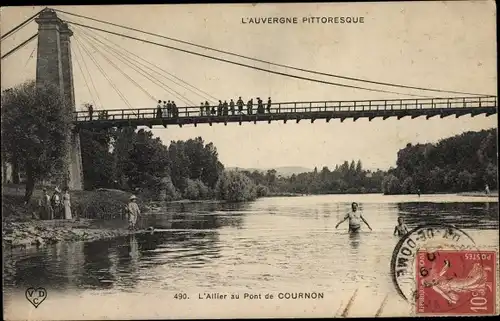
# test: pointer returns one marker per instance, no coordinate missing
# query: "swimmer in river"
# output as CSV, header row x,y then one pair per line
x,y
355,219
401,229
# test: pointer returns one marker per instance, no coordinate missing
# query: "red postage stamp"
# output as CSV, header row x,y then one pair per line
x,y
456,282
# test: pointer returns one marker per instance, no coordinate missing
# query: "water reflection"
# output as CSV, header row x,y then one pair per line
x,y
280,241
462,215
354,240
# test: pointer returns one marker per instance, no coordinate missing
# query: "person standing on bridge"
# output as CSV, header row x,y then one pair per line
x,y
231,106
202,106
165,109
355,217
226,111
240,106
169,109
219,108
207,108
269,105
260,106
175,110
249,106
158,109
91,111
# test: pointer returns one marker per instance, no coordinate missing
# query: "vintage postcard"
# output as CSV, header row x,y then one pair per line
x,y
291,160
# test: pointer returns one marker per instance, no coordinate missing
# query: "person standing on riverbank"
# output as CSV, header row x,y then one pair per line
x,y
56,203
355,217
67,204
133,212
47,212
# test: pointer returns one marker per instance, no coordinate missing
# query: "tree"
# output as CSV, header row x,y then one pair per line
x,y
97,160
35,126
391,185
234,186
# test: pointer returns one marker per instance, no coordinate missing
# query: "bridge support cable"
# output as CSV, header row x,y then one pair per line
x,y
199,92
30,56
90,77
20,26
120,70
274,63
20,46
145,74
131,63
247,66
84,77
124,99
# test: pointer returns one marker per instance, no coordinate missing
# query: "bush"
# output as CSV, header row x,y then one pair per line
x,y
100,204
391,185
234,186
167,190
262,190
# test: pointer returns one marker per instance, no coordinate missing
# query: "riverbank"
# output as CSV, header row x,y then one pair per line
x,y
479,194
40,233
98,214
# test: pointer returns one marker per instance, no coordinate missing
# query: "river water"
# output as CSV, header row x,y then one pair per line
x,y
269,246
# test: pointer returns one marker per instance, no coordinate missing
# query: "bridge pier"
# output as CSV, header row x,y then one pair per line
x,y
54,67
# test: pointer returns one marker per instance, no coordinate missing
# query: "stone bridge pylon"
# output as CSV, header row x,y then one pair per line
x,y
54,66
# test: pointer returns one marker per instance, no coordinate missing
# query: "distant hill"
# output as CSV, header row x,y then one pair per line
x,y
283,170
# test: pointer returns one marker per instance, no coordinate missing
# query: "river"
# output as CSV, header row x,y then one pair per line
x,y
272,245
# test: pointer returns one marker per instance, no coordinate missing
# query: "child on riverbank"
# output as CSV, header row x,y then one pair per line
x,y
355,219
401,229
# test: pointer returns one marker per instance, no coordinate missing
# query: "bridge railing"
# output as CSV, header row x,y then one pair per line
x,y
296,108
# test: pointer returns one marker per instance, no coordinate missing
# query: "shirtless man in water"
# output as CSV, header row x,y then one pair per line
x,y
355,219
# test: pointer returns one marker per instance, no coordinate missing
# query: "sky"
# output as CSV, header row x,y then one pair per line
x,y
441,45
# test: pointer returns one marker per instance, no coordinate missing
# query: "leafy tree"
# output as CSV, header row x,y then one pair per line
x,y
234,186
391,185
459,163
97,160
35,123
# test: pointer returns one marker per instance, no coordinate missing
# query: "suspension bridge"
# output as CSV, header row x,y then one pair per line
x,y
55,65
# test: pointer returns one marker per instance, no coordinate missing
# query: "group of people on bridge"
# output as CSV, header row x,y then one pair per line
x,y
169,109
225,108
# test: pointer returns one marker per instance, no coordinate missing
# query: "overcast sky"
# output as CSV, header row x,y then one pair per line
x,y
444,45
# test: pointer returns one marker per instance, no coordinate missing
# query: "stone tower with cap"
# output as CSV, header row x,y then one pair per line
x,y
54,67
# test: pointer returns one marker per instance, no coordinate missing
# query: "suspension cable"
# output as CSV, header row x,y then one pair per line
x,y
147,75
105,75
20,46
30,56
124,59
119,69
272,63
245,65
203,94
90,76
84,77
19,26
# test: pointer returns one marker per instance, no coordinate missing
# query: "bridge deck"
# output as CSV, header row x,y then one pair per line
x,y
295,111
